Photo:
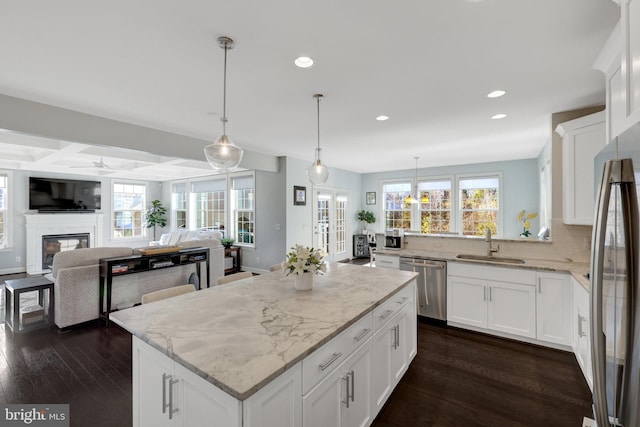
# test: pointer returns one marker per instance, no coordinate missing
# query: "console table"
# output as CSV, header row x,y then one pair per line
x,y
119,266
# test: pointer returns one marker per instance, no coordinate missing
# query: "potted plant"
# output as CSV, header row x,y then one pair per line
x,y
227,241
155,216
366,217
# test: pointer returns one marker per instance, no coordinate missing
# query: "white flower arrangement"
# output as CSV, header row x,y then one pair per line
x,y
302,259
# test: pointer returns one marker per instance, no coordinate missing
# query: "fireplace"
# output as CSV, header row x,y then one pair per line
x,y
52,244
39,225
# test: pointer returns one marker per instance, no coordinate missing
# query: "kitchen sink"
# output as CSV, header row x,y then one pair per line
x,y
491,258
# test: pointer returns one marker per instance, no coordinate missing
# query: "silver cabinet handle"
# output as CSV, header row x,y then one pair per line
x,y
362,334
333,358
349,381
398,336
581,333
172,410
484,293
353,385
346,382
489,293
539,285
165,405
386,314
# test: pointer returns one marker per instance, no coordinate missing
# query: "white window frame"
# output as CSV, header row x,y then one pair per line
x,y
231,208
174,216
192,207
383,198
453,217
8,216
113,209
480,175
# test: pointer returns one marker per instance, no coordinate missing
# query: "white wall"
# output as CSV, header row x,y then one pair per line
x,y
19,199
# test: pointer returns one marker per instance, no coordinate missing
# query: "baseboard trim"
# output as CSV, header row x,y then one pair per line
x,y
15,270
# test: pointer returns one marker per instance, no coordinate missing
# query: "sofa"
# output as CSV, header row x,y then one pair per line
x,y
76,277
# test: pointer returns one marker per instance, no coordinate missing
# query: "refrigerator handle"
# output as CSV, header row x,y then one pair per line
x,y
598,357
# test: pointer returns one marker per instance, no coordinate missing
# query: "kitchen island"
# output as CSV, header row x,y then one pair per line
x,y
255,352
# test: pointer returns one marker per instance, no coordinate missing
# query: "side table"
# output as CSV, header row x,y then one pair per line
x,y
232,261
24,319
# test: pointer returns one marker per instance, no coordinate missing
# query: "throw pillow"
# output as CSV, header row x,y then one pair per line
x,y
194,280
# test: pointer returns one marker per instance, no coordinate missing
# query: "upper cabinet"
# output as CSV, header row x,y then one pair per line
x,y
619,60
582,139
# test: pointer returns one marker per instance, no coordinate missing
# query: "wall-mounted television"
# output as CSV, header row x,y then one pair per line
x,y
63,195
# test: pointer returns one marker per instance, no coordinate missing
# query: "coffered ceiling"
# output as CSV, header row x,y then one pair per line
x,y
427,64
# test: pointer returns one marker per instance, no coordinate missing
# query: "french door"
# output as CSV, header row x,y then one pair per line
x,y
330,223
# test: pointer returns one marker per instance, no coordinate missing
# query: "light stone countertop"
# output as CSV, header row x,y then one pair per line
x,y
242,335
577,269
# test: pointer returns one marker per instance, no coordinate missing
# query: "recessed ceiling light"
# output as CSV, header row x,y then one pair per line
x,y
303,62
499,116
382,118
496,94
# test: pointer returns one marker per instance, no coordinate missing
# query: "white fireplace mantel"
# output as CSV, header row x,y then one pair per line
x,y
39,225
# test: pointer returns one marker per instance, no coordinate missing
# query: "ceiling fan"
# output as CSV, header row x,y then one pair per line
x,y
100,165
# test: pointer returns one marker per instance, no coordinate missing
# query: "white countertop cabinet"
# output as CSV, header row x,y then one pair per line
x,y
581,341
497,299
553,308
167,394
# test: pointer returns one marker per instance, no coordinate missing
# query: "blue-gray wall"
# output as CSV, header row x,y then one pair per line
x,y
520,189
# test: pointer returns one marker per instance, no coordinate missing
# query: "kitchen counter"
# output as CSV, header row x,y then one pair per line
x,y
577,269
242,335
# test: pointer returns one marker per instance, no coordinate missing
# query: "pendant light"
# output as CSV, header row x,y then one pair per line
x,y
410,198
223,155
317,172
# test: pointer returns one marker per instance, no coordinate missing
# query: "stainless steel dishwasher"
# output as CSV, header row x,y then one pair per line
x,y
432,285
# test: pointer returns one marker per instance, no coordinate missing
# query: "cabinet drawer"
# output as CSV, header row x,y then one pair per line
x,y
502,274
386,310
324,360
387,261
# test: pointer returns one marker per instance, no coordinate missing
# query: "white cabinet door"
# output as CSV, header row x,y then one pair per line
x,y
630,19
400,354
512,309
359,366
467,301
553,308
581,327
383,343
279,403
321,407
150,393
582,139
201,402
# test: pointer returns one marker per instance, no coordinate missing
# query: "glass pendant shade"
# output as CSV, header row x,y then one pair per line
x,y
223,154
317,172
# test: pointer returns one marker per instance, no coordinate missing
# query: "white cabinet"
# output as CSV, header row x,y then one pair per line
x,y
630,61
467,301
581,337
394,346
553,308
343,398
387,261
582,139
497,299
167,394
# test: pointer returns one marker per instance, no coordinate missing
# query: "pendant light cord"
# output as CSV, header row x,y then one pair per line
x,y
223,119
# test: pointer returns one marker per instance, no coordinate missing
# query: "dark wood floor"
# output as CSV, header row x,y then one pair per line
x,y
458,378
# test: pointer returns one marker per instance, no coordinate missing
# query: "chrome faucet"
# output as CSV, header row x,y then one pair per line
x,y
487,238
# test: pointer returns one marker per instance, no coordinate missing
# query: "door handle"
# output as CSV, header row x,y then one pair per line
x,y
539,285
362,334
333,358
164,392
346,381
172,410
386,314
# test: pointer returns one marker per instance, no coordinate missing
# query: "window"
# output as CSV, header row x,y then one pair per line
x,y
435,206
179,204
209,201
128,209
4,213
341,224
243,208
479,205
397,213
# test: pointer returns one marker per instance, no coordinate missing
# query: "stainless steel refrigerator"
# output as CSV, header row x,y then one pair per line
x,y
615,285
